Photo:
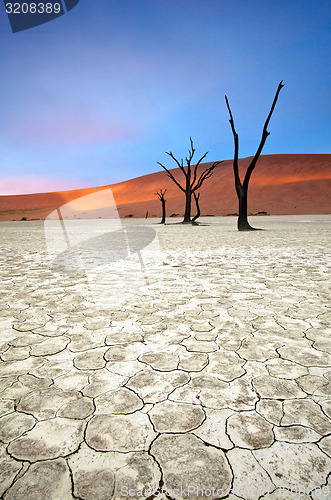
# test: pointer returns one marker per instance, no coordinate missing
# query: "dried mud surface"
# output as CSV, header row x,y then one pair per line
x,y
198,367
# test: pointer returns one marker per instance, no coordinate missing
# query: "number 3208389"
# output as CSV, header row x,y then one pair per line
x,y
33,8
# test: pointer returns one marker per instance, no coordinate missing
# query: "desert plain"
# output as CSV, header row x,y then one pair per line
x,y
198,365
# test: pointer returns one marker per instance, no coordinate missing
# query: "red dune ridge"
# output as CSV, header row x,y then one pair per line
x,y
280,184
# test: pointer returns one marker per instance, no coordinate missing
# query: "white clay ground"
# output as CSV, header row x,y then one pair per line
x,y
200,367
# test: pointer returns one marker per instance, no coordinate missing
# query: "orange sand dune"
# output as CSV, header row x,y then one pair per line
x,y
280,184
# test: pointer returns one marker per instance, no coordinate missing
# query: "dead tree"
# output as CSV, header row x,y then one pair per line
x,y
193,182
196,198
242,187
161,194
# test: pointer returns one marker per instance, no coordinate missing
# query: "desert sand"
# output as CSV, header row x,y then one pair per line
x,y
196,363
280,184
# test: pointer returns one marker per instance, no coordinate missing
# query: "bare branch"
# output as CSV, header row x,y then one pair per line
x,y
205,175
161,194
265,134
171,176
192,147
191,153
172,156
279,88
236,147
195,169
180,165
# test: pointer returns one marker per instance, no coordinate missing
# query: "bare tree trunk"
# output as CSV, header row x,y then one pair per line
x,y
160,194
243,224
187,215
163,211
196,197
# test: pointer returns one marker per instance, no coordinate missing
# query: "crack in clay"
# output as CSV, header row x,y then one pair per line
x,y
274,316
157,369
19,474
320,407
317,349
252,451
177,387
225,451
322,485
270,492
72,481
227,432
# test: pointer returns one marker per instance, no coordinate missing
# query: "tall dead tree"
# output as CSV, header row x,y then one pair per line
x,y
193,181
242,187
162,199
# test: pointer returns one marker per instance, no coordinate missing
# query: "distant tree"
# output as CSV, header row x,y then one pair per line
x,y
242,187
196,198
161,194
193,182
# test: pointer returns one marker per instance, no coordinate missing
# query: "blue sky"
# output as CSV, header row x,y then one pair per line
x,y
98,95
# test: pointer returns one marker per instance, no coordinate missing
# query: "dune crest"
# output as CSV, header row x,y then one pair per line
x,y
281,184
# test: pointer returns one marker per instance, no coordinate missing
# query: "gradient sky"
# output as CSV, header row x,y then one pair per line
x,y
98,95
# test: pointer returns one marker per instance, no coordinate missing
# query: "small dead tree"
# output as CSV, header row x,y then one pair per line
x,y
193,181
196,198
242,187
161,194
